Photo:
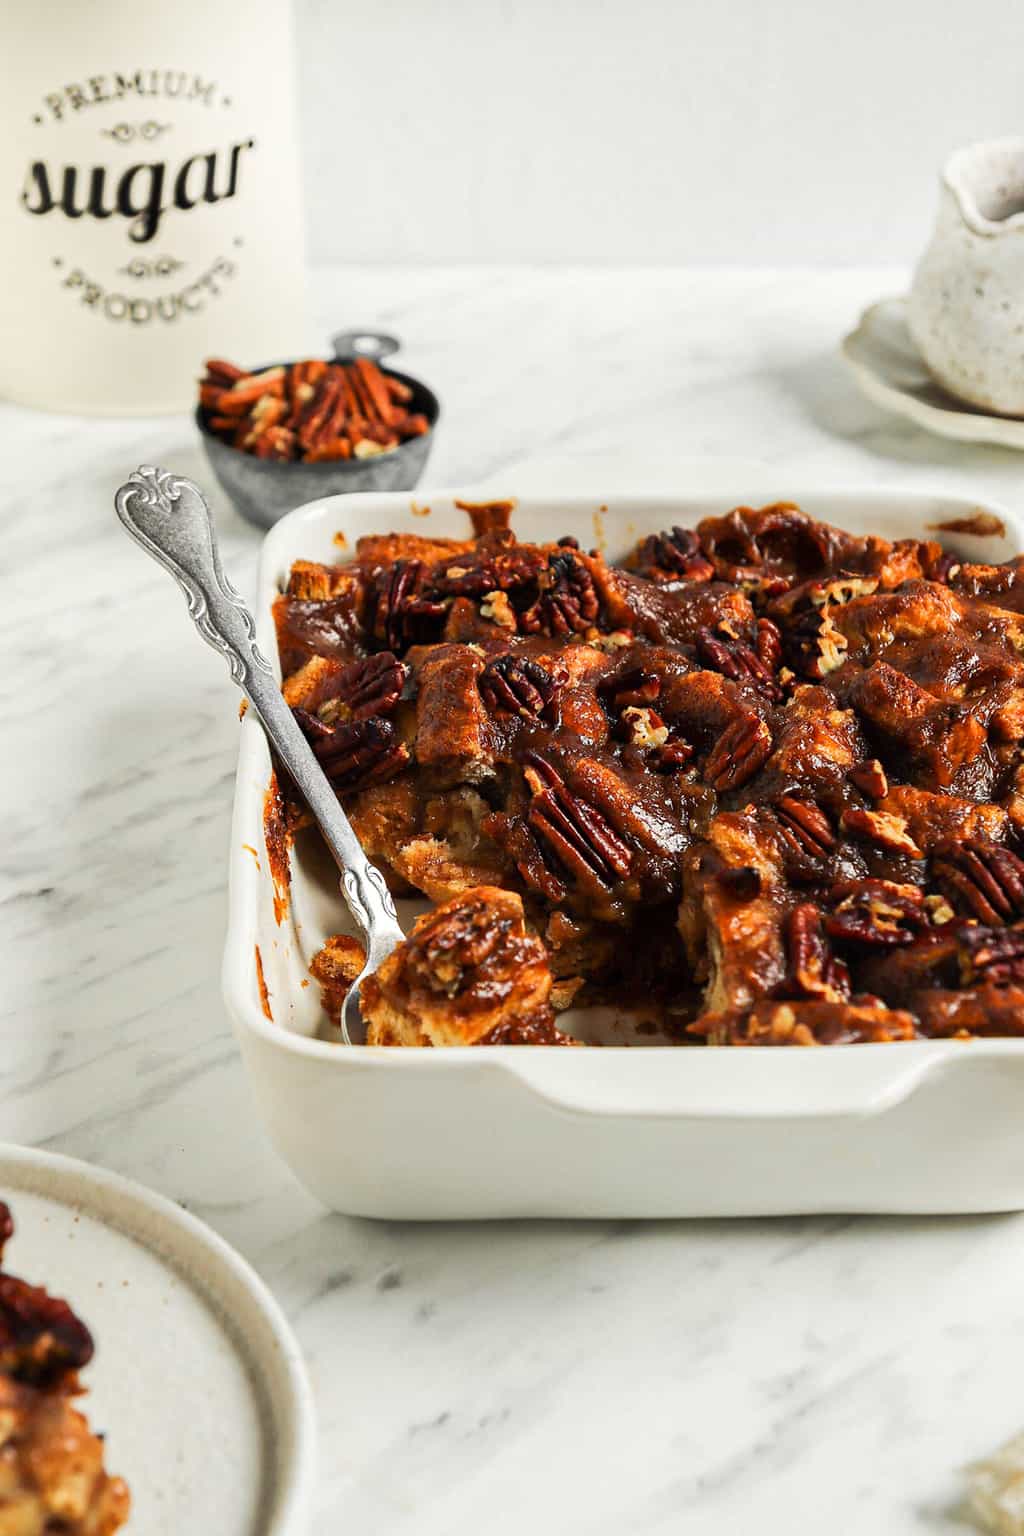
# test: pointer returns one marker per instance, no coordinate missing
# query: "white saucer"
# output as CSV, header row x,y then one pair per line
x,y
891,372
197,1381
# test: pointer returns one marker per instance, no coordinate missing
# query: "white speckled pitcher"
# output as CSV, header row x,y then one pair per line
x,y
966,309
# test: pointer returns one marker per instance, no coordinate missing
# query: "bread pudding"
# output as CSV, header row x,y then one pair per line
x,y
52,1477
764,774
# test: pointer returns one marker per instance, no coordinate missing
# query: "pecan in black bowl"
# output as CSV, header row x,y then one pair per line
x,y
288,433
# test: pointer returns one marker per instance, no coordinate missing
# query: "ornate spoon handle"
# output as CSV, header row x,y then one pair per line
x,y
168,515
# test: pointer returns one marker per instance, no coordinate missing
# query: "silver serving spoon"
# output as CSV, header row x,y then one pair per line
x,y
168,515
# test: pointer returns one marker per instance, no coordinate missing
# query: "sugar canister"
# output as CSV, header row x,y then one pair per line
x,y
150,202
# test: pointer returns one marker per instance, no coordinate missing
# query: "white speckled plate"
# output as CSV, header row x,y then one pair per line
x,y
197,1382
891,372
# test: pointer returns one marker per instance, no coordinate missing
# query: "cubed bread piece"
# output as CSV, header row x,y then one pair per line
x,y
672,615
1002,586
934,738
816,744
451,745
468,974
932,818
334,968
431,842
317,583
731,917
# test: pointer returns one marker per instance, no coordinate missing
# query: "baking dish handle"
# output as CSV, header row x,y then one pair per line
x,y
841,1081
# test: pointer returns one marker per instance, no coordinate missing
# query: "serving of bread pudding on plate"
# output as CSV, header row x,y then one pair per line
x,y
52,1478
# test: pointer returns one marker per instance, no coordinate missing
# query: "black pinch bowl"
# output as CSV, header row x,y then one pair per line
x,y
263,490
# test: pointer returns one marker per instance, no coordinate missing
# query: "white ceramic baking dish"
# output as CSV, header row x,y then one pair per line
x,y
622,1130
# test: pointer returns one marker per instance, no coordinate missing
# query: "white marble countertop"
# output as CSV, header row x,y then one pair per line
x,y
597,1377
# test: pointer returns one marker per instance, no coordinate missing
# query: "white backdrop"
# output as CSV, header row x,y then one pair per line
x,y
654,131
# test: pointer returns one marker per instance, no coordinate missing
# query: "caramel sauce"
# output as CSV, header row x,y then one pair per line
x,y
276,841
262,984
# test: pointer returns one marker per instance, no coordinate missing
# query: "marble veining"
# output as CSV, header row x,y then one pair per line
x,y
589,1378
